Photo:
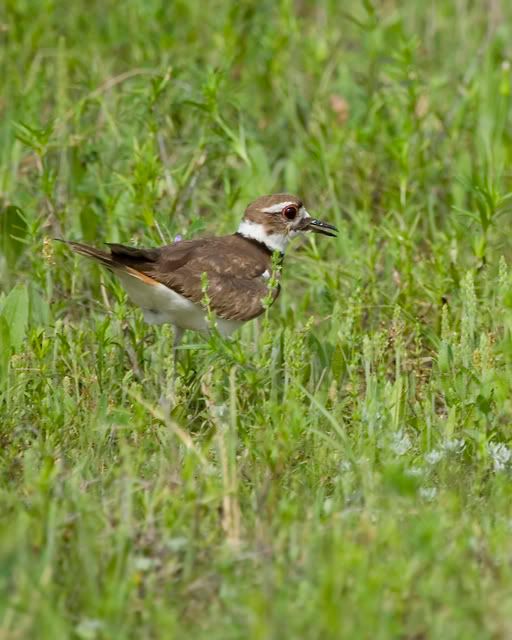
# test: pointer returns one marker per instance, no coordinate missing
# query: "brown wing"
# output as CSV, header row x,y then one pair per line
x,y
239,298
233,267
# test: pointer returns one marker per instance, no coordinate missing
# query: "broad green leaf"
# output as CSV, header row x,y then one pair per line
x,y
15,313
5,347
39,314
13,230
89,224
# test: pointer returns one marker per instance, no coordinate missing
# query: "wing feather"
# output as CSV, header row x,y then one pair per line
x,y
233,269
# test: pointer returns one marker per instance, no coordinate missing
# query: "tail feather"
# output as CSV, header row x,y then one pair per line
x,y
91,252
132,255
108,260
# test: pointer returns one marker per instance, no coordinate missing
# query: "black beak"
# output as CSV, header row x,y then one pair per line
x,y
317,226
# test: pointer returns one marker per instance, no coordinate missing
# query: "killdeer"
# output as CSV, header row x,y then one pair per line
x,y
168,284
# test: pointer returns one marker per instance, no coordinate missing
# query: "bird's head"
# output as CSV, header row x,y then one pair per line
x,y
276,219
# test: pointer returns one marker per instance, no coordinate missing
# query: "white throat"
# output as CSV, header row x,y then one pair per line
x,y
256,231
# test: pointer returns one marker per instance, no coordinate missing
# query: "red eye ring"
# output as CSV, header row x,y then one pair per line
x,y
290,212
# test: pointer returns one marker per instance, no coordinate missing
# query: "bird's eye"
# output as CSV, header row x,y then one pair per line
x,y
290,212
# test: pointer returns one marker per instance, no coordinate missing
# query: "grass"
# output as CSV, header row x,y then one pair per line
x,y
342,468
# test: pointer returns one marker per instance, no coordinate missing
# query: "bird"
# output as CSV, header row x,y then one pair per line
x,y
233,272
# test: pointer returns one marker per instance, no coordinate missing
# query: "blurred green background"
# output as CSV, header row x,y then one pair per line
x,y
341,469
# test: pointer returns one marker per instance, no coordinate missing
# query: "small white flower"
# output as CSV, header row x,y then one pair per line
x,y
328,505
220,410
454,445
144,563
89,628
500,454
414,472
428,493
400,443
433,456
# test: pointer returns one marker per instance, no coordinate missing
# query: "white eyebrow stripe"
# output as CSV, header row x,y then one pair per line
x,y
277,208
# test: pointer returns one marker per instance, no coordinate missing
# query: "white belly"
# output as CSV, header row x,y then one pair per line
x,y
161,304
